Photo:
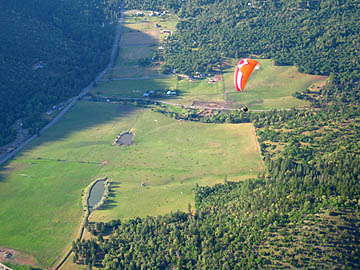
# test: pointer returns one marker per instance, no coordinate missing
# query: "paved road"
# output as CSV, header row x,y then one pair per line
x,y
83,93
74,100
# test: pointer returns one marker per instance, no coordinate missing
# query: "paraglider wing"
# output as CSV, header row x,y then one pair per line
x,y
243,71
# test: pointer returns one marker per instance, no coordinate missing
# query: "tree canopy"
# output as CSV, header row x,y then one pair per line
x,y
49,51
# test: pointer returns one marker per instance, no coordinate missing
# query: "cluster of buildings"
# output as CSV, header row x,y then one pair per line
x,y
153,93
151,13
54,108
199,75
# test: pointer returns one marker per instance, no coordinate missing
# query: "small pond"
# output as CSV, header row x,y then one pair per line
x,y
96,193
125,139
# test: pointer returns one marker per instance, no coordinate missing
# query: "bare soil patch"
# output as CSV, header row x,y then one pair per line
x,y
217,78
256,141
206,113
213,104
16,257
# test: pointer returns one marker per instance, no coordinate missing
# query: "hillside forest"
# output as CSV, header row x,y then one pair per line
x,y
50,50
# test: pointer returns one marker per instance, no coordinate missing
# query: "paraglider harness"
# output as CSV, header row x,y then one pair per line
x,y
244,108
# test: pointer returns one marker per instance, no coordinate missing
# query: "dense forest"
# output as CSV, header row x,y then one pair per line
x,y
49,51
303,212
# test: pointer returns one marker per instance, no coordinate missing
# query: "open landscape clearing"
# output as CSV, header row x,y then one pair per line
x,y
141,36
124,143
158,172
169,156
271,87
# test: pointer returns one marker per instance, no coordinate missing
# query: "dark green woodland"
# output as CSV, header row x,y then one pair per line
x,y
49,51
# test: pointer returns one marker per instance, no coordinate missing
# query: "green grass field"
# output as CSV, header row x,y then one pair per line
x,y
133,88
140,39
171,156
199,90
271,87
41,205
130,56
41,189
189,91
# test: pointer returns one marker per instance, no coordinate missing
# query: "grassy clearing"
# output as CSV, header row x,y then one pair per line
x,y
199,90
41,189
134,88
134,72
130,56
41,205
167,21
189,91
271,87
171,157
139,40
142,30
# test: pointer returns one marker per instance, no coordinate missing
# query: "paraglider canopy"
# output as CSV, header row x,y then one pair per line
x,y
243,71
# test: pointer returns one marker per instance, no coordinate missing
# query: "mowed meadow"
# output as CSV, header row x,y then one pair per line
x,y
41,189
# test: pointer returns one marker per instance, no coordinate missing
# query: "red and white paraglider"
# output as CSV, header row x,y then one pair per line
x,y
242,73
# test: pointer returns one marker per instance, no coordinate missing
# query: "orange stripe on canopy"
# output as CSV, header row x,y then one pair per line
x,y
243,71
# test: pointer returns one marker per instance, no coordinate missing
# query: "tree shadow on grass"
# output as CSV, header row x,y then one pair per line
x,y
78,118
115,184
109,204
83,116
2,173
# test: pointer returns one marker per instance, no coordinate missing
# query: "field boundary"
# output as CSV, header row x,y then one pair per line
x,y
256,140
82,226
